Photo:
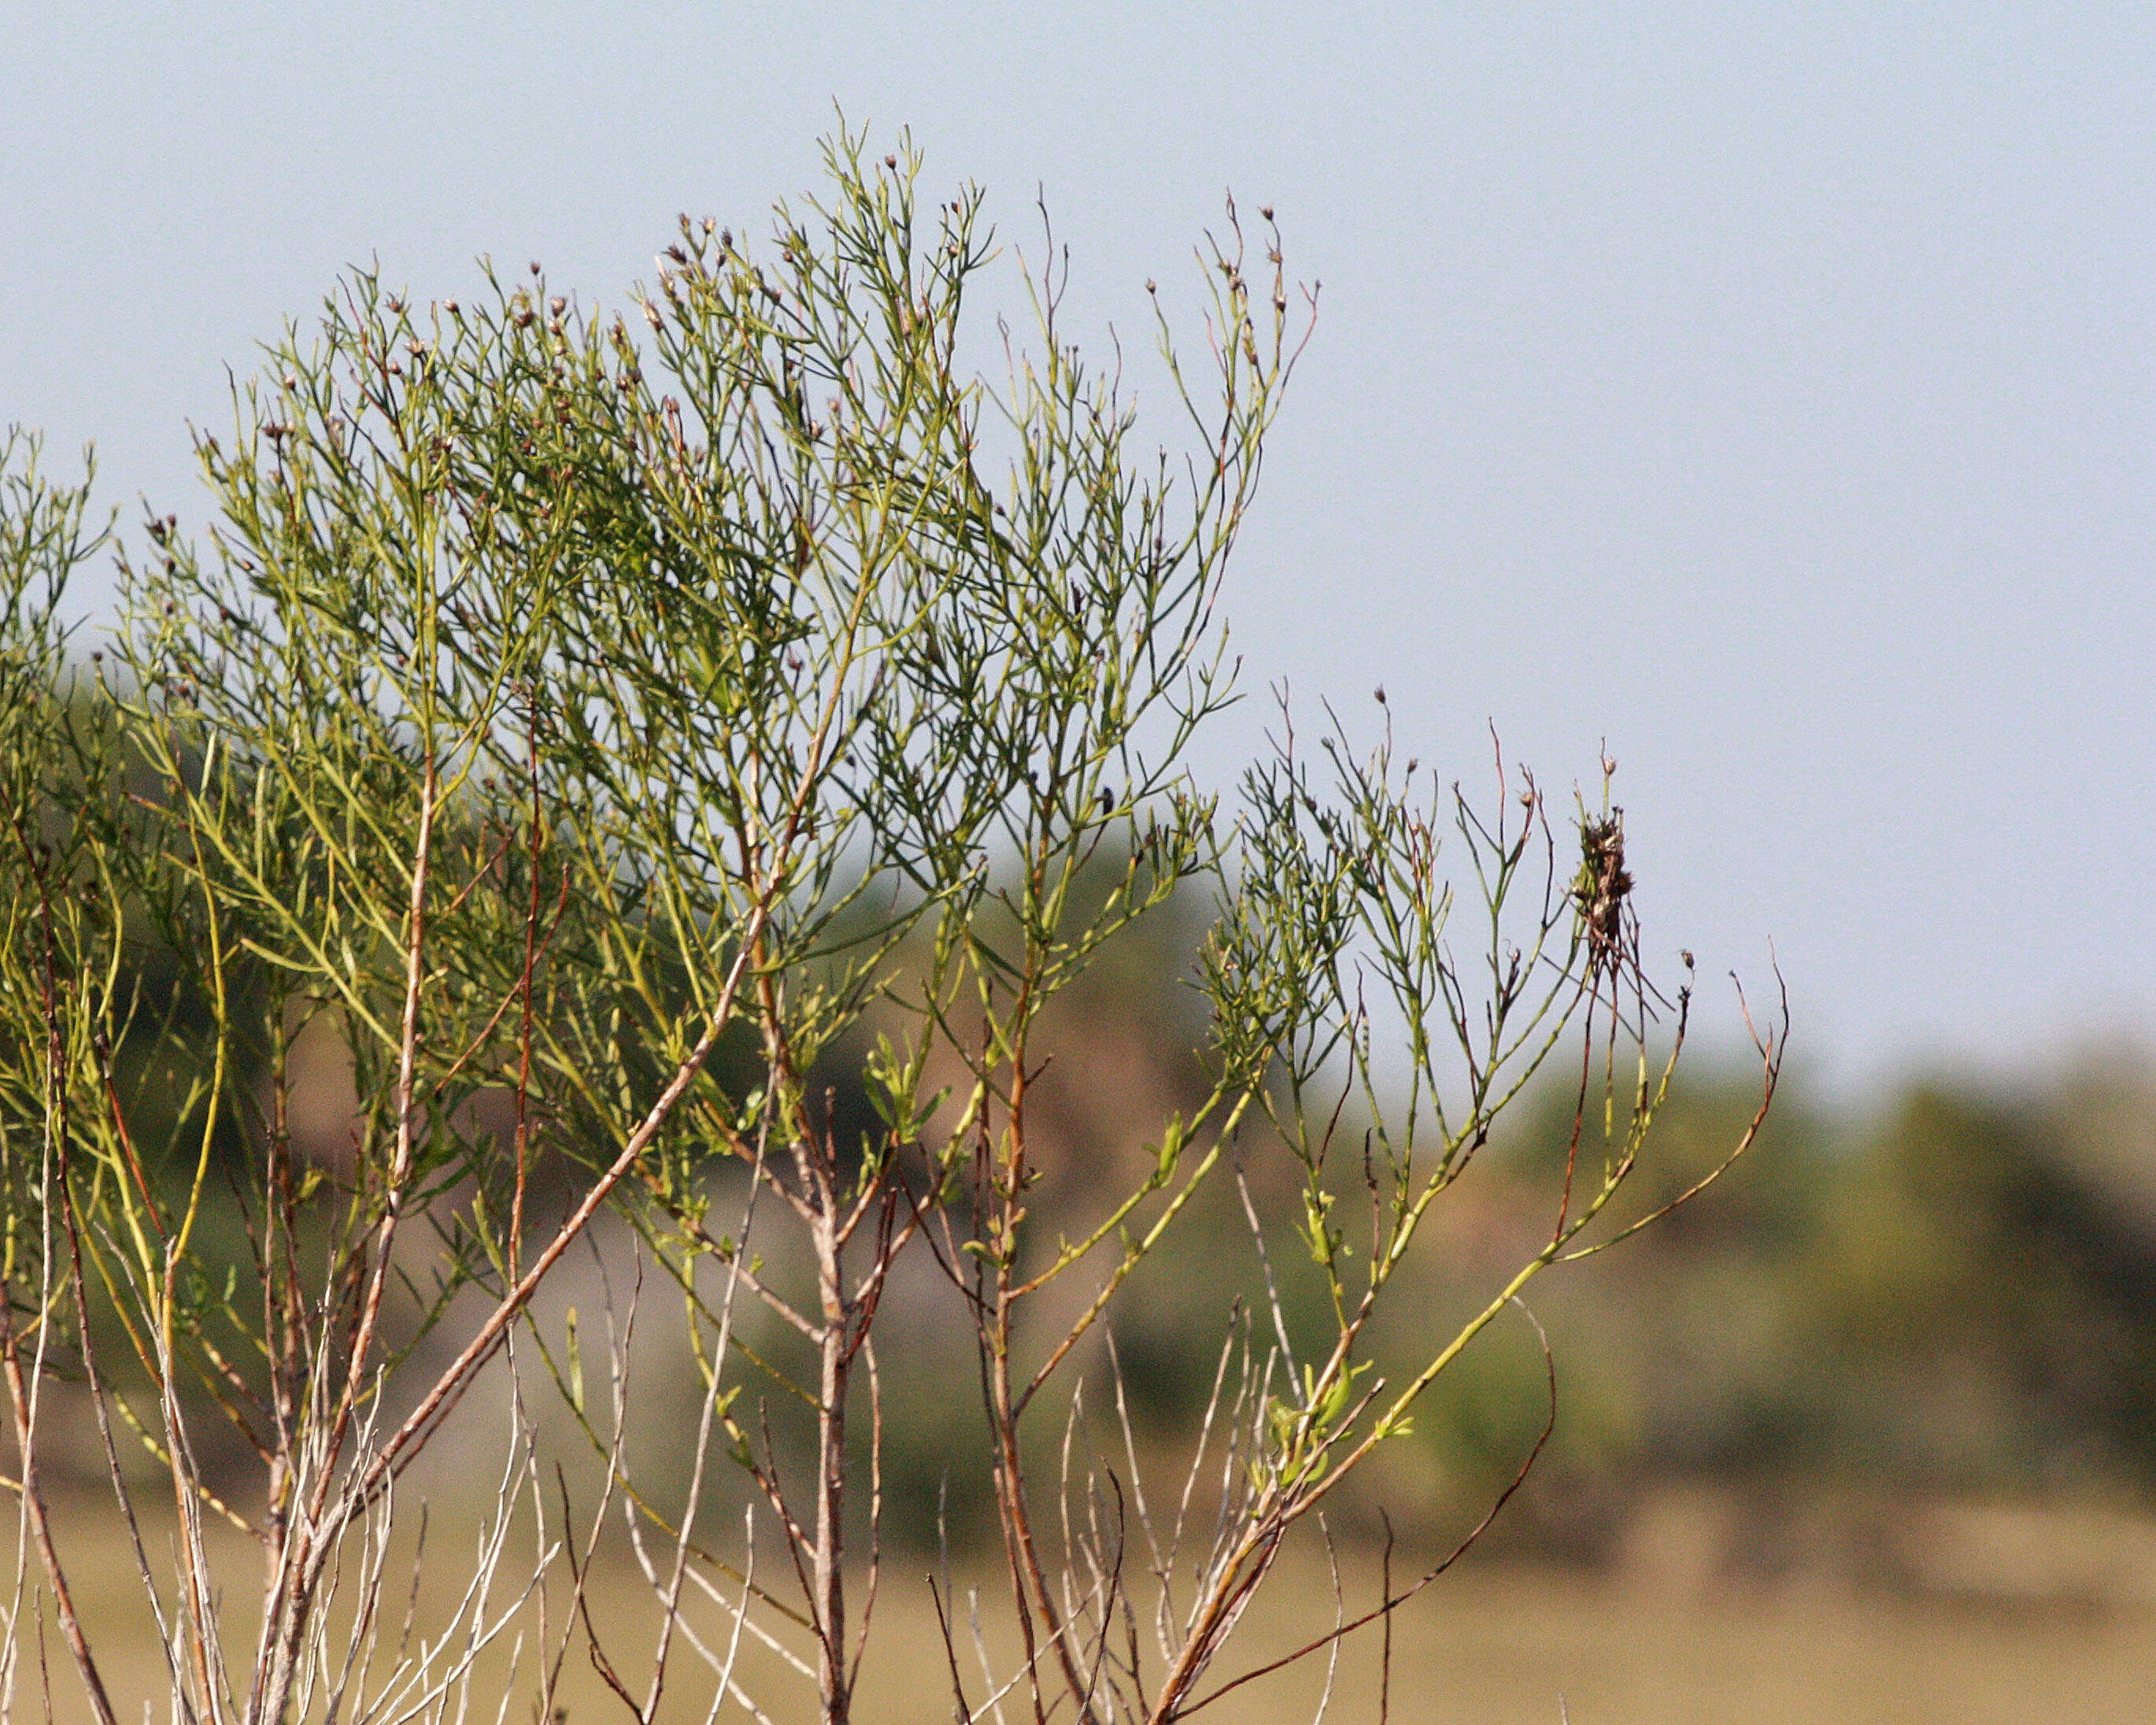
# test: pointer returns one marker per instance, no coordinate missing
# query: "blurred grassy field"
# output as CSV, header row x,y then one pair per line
x,y
1516,1645
1655,1641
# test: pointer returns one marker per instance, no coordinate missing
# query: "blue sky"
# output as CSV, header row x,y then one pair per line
x,y
1768,389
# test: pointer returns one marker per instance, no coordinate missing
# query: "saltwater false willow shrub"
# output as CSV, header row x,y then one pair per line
x,y
617,737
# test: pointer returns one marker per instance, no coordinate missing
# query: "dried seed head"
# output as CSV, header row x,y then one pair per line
x,y
1603,886
557,304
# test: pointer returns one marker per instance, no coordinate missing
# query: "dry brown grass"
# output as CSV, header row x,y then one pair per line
x,y
1659,1640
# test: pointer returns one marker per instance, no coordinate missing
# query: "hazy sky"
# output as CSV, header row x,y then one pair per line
x,y
1768,389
